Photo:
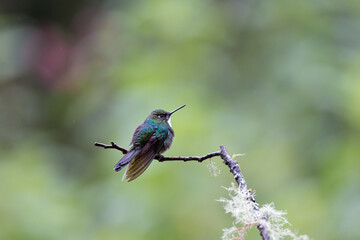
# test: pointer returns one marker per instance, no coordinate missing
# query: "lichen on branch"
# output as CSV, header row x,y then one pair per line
x,y
248,214
242,205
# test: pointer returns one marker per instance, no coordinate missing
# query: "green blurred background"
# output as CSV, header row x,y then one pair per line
x,y
277,80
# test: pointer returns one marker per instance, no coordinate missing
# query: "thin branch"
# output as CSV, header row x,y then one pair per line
x,y
234,168
113,145
162,158
233,165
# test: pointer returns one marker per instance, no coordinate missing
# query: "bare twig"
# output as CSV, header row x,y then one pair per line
x,y
113,145
233,165
162,158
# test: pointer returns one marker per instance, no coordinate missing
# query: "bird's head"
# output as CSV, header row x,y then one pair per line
x,y
161,116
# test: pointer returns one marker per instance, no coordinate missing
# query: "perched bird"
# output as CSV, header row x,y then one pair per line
x,y
151,138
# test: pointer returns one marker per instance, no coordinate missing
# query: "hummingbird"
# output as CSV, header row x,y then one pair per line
x,y
151,138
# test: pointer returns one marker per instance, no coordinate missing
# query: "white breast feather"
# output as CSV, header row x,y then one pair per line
x,y
169,121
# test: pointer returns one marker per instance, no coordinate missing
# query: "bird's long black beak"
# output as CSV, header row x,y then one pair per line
x,y
177,109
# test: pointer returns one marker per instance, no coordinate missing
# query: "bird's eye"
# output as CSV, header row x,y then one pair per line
x,y
160,116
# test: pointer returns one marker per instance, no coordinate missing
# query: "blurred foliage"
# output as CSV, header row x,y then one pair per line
x,y
277,80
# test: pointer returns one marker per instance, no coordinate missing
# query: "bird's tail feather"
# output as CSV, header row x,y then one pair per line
x,y
126,159
125,173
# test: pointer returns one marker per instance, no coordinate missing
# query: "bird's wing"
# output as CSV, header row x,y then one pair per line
x,y
144,158
142,135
